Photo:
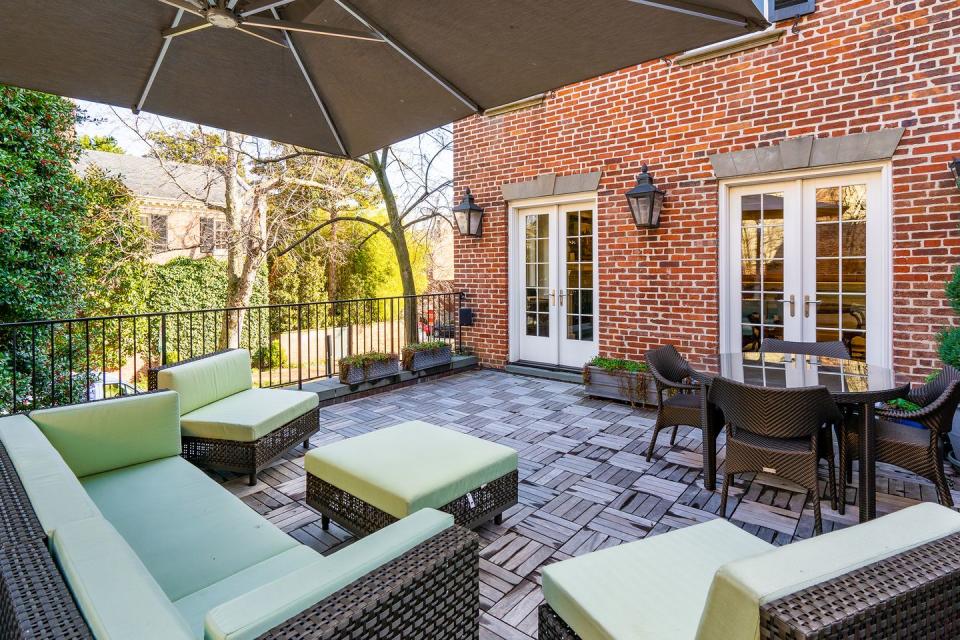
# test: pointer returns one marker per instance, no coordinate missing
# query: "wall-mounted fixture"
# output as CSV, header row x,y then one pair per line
x,y
469,216
645,201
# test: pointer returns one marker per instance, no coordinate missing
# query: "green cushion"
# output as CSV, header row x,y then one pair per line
x,y
53,489
248,415
109,434
195,606
410,466
117,596
741,587
209,379
652,589
259,610
189,531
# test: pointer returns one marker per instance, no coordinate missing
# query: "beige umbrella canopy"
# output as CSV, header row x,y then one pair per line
x,y
340,76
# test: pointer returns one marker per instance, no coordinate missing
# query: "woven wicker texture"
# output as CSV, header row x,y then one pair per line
x,y
361,518
777,431
244,457
432,592
18,522
552,626
917,450
826,349
679,400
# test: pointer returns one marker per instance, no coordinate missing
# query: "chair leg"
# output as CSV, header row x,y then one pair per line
x,y
845,474
324,522
724,492
306,443
943,489
252,480
832,484
817,520
653,441
498,519
673,436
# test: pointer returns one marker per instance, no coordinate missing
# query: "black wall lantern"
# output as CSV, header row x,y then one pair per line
x,y
955,168
645,201
469,216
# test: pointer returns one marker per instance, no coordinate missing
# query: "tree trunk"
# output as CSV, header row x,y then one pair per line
x,y
398,238
242,260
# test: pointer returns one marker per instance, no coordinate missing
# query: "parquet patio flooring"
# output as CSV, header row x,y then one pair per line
x,y
584,482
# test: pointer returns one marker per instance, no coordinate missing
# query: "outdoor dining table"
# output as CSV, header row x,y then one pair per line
x,y
850,382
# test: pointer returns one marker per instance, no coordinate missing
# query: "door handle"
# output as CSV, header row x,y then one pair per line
x,y
806,305
793,304
562,293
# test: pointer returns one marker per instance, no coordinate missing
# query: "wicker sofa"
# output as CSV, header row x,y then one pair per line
x,y
106,532
891,578
229,425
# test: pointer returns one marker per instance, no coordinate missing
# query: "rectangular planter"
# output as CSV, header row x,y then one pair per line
x,y
635,388
420,360
375,371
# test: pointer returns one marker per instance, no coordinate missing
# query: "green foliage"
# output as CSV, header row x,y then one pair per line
x,y
949,338
193,147
185,283
100,143
432,345
364,360
117,247
41,207
902,404
617,364
272,356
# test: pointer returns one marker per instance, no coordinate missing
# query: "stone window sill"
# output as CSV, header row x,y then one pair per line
x,y
734,45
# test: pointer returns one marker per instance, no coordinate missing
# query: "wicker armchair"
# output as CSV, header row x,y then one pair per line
x,y
431,591
826,349
918,450
679,400
775,431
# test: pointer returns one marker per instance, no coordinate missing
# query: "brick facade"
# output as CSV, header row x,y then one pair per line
x,y
852,66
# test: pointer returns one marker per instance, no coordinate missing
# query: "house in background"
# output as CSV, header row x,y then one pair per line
x,y
808,196
173,200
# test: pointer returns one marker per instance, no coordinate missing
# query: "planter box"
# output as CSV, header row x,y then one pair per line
x,y
620,385
374,371
420,360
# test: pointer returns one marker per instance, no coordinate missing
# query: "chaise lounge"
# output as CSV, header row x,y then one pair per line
x,y
229,425
894,577
107,533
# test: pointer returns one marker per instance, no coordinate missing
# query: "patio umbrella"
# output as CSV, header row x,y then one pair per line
x,y
340,76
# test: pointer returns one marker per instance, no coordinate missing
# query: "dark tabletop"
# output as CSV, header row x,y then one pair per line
x,y
849,380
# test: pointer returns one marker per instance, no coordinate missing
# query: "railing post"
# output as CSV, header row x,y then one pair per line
x,y
299,346
328,365
163,339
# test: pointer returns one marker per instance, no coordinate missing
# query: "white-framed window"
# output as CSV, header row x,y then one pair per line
x,y
157,225
213,234
775,10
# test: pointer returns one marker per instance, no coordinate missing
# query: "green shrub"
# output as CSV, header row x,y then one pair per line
x,y
949,338
618,364
364,360
431,345
271,356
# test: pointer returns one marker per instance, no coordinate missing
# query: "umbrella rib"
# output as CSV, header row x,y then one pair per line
x,y
406,53
264,38
303,27
157,63
696,10
173,32
186,5
312,87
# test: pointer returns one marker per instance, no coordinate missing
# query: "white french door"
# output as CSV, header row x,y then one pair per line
x,y
808,260
554,284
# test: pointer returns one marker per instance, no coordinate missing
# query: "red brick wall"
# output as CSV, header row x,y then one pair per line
x,y
852,66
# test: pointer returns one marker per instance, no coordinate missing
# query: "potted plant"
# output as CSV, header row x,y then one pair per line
x,y
368,366
425,355
620,379
949,352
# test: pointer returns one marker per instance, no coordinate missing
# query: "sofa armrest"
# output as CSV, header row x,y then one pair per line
x,y
431,591
366,587
204,379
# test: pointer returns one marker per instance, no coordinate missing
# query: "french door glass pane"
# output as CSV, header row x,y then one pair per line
x,y
537,243
579,276
761,268
841,268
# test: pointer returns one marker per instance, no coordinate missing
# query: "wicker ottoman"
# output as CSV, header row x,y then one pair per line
x,y
367,482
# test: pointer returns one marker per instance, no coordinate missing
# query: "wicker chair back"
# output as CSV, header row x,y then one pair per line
x,y
775,413
666,363
826,349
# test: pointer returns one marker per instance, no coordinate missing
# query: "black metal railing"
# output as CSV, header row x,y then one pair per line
x,y
48,363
